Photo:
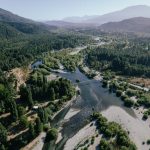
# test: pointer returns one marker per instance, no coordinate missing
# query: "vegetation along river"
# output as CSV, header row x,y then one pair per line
x,y
92,98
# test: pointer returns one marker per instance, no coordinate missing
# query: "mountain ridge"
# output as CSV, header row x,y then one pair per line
x,y
7,16
135,25
126,13
13,25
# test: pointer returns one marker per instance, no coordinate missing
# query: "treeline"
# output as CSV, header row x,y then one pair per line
x,y
42,89
19,51
127,59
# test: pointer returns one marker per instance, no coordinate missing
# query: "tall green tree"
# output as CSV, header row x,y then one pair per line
x,y
3,135
31,130
38,126
29,98
51,135
13,109
42,113
24,122
21,111
52,94
26,95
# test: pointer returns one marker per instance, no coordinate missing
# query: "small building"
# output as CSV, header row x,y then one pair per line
x,y
35,107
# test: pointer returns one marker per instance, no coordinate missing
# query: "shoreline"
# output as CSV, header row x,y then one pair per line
x,y
139,130
38,142
66,104
81,135
71,113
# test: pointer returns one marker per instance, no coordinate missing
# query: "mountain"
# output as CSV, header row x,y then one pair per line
x,y
59,23
7,16
12,25
136,25
79,19
127,13
65,24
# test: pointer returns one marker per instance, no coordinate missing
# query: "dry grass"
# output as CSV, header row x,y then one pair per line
x,y
141,81
21,75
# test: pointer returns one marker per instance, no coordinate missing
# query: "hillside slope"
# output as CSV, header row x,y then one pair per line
x,y
137,25
12,25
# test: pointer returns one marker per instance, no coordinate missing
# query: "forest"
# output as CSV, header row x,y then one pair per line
x,y
17,107
21,51
23,40
126,58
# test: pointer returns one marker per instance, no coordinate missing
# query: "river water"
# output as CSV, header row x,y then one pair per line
x,y
92,97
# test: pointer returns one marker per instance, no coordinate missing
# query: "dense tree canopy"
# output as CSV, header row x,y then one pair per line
x,y
22,50
42,89
128,59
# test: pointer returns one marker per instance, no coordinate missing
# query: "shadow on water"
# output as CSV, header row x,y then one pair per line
x,y
92,97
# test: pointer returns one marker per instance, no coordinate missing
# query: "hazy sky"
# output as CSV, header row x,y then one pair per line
x,y
58,9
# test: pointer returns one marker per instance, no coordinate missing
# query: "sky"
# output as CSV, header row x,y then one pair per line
x,y
59,9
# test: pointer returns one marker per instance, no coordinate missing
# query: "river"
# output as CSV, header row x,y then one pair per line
x,y
92,97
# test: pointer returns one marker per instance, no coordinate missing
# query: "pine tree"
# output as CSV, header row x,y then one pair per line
x,y
31,130
38,126
3,135
26,95
13,109
52,94
42,113
29,98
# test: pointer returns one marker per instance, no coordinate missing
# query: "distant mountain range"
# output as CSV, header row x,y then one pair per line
x,y
127,13
79,19
65,24
136,25
131,19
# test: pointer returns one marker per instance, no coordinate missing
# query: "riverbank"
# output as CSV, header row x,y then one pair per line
x,y
83,134
66,104
71,113
38,143
139,130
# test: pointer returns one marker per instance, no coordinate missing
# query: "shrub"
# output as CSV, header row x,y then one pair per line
x,y
148,142
145,116
128,102
105,84
77,80
92,140
24,122
123,97
118,93
131,92
51,135
46,127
